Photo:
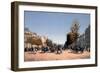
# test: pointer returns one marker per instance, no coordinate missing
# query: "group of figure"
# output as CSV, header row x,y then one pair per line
x,y
56,49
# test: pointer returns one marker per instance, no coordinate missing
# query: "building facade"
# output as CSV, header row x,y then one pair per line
x,y
81,41
33,40
87,37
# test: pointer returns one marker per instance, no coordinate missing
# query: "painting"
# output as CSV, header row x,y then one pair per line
x,y
56,36
51,36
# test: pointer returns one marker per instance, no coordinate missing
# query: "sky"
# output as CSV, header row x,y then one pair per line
x,y
54,25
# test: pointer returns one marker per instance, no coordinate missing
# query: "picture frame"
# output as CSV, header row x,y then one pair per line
x,y
20,11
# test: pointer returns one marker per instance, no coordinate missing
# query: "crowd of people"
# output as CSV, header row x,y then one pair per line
x,y
55,49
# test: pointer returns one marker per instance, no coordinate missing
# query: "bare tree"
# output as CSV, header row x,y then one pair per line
x,y
75,26
74,34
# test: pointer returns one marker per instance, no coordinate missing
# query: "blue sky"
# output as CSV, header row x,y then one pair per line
x,y
54,25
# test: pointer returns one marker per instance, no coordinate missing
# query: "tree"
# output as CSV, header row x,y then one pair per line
x,y
74,30
49,43
73,35
75,26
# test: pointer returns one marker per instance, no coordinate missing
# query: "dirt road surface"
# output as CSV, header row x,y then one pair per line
x,y
65,55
